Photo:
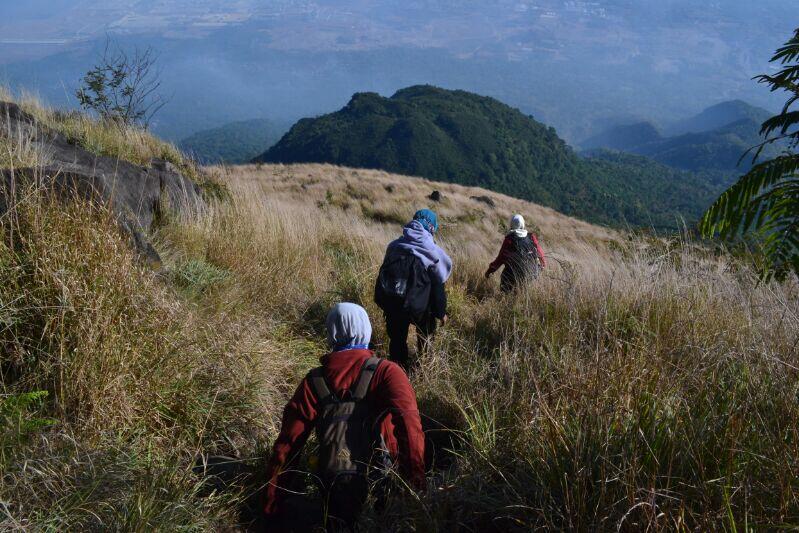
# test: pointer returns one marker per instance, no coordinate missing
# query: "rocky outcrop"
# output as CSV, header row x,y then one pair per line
x,y
136,195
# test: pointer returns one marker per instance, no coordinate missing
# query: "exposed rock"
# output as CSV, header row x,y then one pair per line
x,y
484,199
435,196
163,165
136,195
67,185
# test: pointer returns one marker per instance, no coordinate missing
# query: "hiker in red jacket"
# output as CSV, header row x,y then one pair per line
x,y
521,255
351,386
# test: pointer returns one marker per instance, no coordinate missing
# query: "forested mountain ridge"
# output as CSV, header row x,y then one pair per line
x,y
235,142
713,141
464,138
623,137
718,116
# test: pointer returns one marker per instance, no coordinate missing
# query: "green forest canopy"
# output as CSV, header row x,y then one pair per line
x,y
464,138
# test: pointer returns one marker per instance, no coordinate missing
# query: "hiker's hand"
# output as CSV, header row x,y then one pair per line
x,y
444,320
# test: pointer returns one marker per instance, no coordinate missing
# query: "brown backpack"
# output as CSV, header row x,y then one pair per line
x,y
348,432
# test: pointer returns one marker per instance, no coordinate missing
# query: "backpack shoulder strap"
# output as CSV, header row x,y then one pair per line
x,y
392,259
358,392
319,385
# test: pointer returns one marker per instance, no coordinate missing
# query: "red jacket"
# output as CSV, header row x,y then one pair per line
x,y
506,252
390,392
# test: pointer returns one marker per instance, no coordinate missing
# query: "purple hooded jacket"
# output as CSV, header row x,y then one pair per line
x,y
417,240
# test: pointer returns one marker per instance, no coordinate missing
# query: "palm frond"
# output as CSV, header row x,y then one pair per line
x,y
782,80
780,247
764,203
780,122
789,51
758,148
736,209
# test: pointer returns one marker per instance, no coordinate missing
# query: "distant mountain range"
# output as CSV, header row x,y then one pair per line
x,y
712,141
236,142
284,59
718,116
464,138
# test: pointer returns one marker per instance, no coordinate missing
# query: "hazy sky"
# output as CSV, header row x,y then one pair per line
x,y
572,63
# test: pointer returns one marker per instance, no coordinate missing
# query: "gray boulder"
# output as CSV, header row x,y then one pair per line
x,y
138,196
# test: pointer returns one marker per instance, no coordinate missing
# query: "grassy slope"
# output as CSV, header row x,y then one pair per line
x,y
464,138
640,383
102,138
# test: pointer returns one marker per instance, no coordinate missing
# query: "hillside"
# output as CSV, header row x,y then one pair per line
x,y
459,137
719,150
711,143
384,201
623,137
434,133
718,116
640,384
236,142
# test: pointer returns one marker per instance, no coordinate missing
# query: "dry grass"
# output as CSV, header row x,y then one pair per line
x,y
136,382
129,143
388,200
18,150
638,385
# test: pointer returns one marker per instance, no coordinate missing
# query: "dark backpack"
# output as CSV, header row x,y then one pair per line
x,y
525,259
403,286
348,432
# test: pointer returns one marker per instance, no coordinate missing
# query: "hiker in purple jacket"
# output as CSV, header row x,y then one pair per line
x,y
410,285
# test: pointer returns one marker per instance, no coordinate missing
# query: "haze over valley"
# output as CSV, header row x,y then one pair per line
x,y
578,66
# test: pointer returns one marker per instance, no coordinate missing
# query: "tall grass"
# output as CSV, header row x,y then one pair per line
x,y
638,385
644,385
136,385
106,138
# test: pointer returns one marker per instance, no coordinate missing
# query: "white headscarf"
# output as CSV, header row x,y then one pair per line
x,y
348,327
517,226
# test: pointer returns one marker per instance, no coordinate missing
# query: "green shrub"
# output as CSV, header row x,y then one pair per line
x,y
198,276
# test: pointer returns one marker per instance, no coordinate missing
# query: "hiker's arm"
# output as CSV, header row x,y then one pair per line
x,y
540,251
438,300
298,418
501,257
399,399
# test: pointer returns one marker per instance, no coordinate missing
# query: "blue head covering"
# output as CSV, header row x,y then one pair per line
x,y
418,240
428,219
348,327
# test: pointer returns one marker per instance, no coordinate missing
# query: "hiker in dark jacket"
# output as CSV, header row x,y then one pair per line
x,y
521,255
344,375
410,286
